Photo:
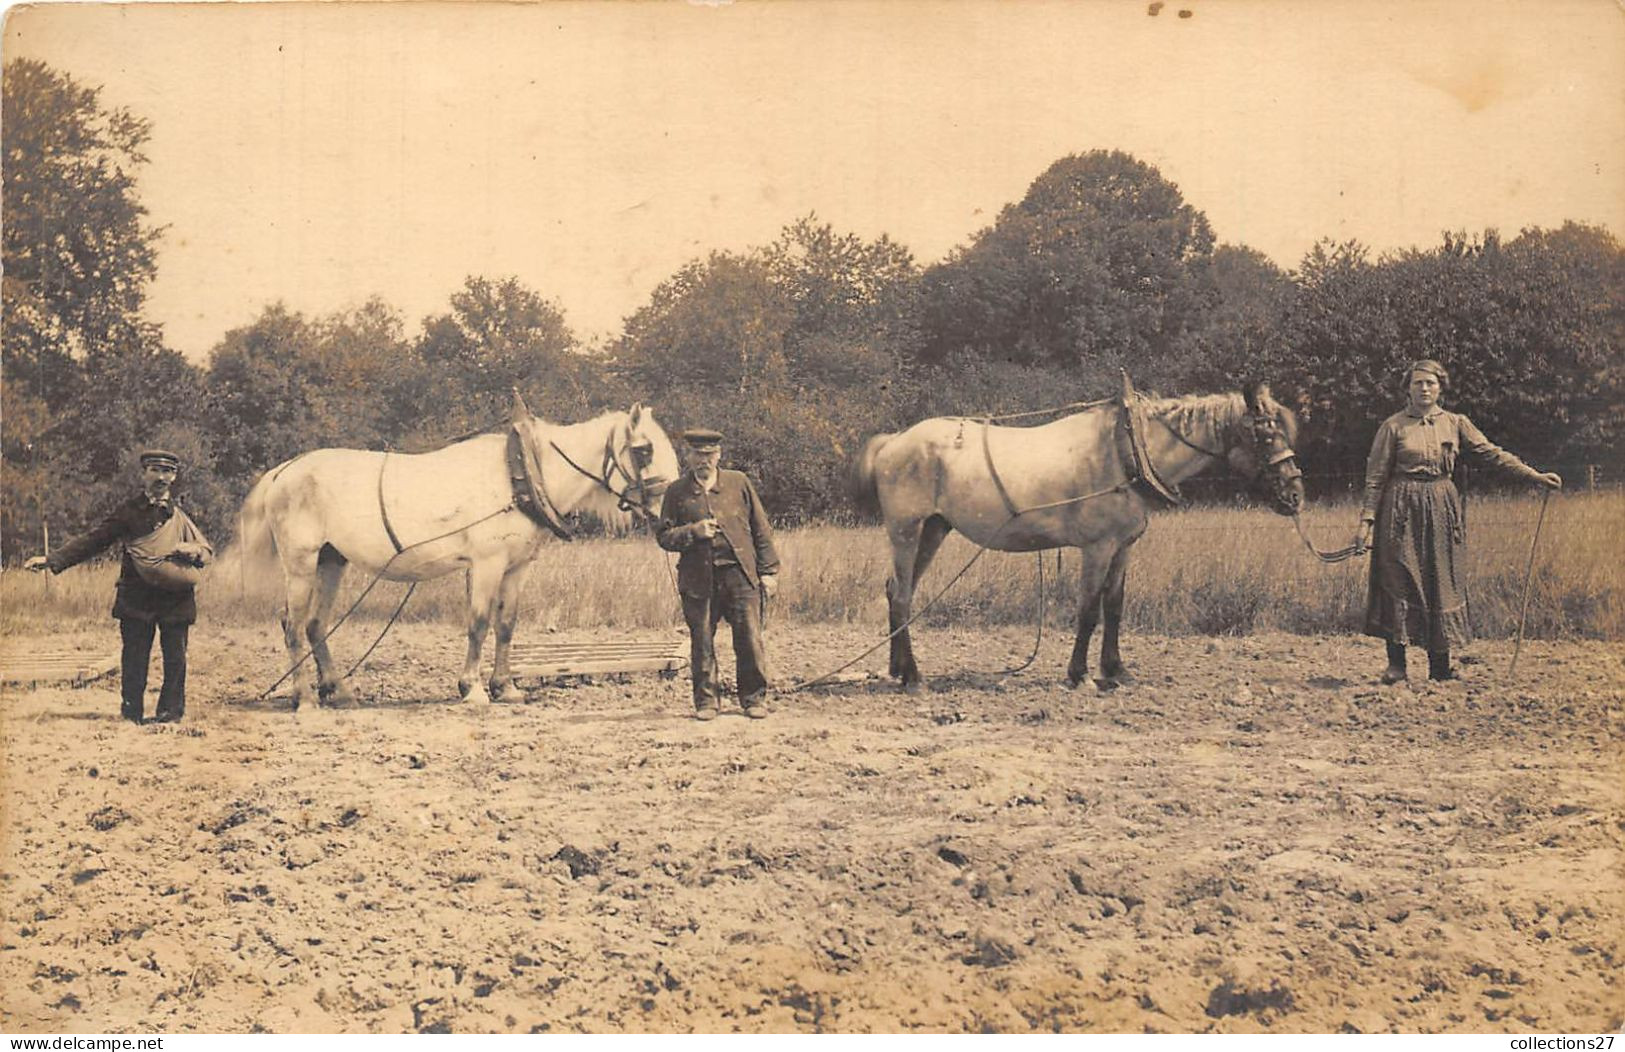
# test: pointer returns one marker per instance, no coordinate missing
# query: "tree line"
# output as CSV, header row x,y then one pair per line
x,y
797,349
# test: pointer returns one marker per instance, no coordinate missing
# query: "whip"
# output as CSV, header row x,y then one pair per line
x,y
1528,579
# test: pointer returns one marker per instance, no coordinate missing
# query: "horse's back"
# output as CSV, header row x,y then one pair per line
x,y
965,450
977,475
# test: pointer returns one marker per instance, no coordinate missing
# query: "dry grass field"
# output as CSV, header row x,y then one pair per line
x,y
1203,571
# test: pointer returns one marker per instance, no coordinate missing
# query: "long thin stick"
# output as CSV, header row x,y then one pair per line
x,y
1528,579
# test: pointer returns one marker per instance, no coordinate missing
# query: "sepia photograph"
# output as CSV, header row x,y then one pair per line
x,y
834,517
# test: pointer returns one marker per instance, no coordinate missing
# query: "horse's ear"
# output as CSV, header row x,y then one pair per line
x,y
520,410
1257,396
637,413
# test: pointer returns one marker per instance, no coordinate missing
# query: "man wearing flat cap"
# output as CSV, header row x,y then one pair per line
x,y
163,552
715,519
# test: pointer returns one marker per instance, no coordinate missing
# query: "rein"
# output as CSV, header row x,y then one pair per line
x,y
622,501
1172,430
981,550
1326,557
379,576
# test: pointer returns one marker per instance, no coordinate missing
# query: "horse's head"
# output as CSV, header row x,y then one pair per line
x,y
646,459
1261,449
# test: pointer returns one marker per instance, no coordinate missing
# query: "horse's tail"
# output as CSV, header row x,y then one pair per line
x,y
255,547
861,484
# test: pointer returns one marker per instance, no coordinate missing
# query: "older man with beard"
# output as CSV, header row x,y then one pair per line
x,y
728,564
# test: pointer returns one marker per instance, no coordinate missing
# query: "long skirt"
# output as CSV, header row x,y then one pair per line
x,y
1417,595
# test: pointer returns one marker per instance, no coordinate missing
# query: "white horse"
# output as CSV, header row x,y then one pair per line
x,y
412,517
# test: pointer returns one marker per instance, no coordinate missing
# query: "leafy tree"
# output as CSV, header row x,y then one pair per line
x,y
1558,376
1243,336
263,383
843,291
717,324
356,357
78,256
498,335
86,376
1101,261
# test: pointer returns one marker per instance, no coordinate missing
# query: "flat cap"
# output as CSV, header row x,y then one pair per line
x,y
161,457
702,438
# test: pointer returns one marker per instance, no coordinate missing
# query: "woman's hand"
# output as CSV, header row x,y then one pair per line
x,y
1362,537
1551,480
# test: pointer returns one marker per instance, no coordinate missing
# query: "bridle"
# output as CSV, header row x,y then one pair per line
x,y
1270,450
639,488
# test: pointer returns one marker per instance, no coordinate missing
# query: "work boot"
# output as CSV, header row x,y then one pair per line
x,y
1439,665
704,713
756,708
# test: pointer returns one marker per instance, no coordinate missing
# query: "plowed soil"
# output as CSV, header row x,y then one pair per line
x,y
1251,836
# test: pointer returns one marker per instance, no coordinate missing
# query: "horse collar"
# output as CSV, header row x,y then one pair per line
x,y
529,488
1138,464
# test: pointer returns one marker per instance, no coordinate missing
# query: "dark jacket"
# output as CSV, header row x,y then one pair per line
x,y
136,599
741,525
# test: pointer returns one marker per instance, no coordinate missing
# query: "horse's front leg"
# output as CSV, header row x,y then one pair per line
x,y
1111,662
1091,583
507,615
484,580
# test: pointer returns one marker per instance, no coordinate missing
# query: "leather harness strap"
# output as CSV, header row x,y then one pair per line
x,y
529,490
383,508
998,483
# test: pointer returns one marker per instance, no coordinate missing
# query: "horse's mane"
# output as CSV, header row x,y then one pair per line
x,y
1219,411
1215,412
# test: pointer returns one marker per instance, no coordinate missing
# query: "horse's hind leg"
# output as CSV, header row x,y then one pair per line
x,y
330,687
1111,662
296,602
507,615
913,546
484,581
1097,559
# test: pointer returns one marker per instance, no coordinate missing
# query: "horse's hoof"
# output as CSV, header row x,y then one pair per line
x,y
336,696
476,695
508,693
912,686
1074,682
1106,685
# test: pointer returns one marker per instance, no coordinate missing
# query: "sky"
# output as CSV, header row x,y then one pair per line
x,y
321,154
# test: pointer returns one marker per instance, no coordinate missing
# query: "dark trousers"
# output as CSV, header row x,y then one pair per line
x,y
732,599
137,652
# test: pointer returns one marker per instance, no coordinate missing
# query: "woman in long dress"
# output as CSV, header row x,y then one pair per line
x,y
1412,519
